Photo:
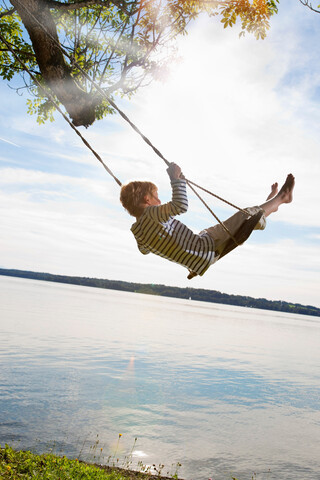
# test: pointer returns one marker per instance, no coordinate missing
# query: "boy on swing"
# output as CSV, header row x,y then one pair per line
x,y
157,230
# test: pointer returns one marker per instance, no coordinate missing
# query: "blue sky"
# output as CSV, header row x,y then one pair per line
x,y
236,114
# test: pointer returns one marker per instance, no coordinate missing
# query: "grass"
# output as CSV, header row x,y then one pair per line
x,y
24,465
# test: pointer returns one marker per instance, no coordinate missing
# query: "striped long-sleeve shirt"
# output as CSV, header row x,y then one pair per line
x,y
157,231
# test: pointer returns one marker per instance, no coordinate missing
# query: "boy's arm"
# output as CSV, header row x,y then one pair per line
x,y
179,202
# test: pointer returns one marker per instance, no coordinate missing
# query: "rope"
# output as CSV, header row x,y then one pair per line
x,y
216,196
51,98
113,104
99,89
121,113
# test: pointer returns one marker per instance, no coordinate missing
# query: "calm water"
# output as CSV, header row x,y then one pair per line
x,y
223,390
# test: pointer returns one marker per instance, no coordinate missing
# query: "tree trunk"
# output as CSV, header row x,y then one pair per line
x,y
56,73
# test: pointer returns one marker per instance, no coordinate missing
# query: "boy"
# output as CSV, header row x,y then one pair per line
x,y
157,231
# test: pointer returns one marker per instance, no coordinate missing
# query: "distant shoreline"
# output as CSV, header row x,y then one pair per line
x,y
212,296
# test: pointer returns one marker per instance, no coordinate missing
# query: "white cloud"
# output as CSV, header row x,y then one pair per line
x,y
50,184
225,120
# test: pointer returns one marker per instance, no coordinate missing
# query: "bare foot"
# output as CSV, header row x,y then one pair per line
x,y
285,194
274,191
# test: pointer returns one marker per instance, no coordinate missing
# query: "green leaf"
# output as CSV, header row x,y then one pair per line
x,y
122,50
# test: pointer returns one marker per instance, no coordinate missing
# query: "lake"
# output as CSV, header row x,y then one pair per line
x,y
223,390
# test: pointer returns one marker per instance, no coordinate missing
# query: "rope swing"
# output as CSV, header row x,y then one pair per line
x,y
48,94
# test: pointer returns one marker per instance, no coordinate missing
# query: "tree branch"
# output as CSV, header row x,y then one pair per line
x,y
115,46
75,5
8,12
85,3
54,70
306,3
19,52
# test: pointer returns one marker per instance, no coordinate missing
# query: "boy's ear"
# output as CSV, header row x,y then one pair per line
x,y
146,199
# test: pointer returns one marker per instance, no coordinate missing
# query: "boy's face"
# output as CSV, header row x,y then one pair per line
x,y
152,199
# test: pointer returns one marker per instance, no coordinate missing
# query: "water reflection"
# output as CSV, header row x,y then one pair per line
x,y
220,389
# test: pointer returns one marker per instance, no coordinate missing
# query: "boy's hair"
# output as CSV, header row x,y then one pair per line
x,y
132,196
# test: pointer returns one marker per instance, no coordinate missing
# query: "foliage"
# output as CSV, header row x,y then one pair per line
x,y
26,465
12,30
254,17
120,45
176,292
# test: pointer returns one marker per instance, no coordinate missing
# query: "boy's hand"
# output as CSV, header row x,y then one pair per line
x,y
174,171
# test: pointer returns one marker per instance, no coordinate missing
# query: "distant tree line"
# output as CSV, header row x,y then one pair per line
x,y
200,294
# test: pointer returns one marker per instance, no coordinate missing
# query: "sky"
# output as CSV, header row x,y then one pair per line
x,y
236,114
